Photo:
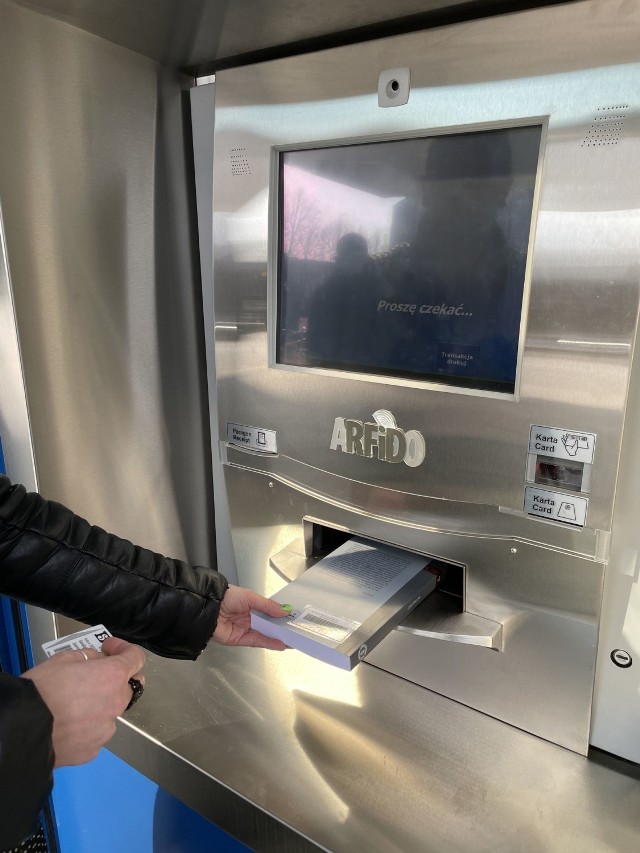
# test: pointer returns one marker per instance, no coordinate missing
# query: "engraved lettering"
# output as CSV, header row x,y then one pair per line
x,y
339,436
396,445
389,444
370,439
416,450
355,431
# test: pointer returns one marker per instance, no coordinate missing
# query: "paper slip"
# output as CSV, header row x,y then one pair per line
x,y
88,638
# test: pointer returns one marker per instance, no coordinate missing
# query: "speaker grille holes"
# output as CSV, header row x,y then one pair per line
x,y
606,127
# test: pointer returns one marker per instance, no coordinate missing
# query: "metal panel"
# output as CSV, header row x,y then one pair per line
x,y
202,110
191,32
542,581
289,754
616,706
97,217
546,601
15,427
14,414
567,340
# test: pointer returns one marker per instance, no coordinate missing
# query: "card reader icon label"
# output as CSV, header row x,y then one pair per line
x,y
555,506
562,443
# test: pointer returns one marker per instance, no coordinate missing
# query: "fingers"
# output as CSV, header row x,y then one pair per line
x,y
83,655
234,619
132,657
257,640
85,692
274,608
264,605
263,642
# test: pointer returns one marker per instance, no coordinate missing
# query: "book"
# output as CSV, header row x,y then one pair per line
x,y
345,604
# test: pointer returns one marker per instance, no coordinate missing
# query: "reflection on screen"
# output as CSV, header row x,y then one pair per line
x,y
407,258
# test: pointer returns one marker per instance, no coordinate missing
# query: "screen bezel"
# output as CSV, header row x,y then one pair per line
x,y
273,260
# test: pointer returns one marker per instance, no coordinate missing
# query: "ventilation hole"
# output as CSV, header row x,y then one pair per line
x,y
606,127
239,162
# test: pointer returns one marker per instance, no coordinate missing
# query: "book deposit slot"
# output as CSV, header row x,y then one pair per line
x,y
441,614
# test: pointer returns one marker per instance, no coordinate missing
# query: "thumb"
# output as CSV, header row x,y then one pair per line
x,y
131,656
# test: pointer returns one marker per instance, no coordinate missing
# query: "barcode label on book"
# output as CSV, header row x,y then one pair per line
x,y
326,625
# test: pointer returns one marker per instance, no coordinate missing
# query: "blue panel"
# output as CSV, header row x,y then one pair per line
x,y
177,829
107,806
102,808
6,623
9,660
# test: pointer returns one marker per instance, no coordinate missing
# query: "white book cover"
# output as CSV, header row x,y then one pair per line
x,y
348,601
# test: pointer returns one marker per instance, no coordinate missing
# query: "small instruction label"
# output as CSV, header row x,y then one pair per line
x,y
458,359
252,438
563,443
555,506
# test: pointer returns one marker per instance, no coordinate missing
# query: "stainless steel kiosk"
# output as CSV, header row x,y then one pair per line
x,y
103,396
425,301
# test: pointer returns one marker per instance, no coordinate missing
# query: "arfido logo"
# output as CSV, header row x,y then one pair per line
x,y
382,438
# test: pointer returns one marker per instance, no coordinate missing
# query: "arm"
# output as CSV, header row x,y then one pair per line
x,y
67,706
85,693
26,758
58,713
54,559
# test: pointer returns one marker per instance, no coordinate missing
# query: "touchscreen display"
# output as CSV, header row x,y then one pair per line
x,y
407,257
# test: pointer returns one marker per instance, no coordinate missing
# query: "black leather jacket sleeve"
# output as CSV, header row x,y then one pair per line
x,y
26,759
52,558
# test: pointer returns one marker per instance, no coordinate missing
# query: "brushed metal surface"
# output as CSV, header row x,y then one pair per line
x,y
586,238
616,706
97,221
190,32
547,603
365,763
202,99
289,754
438,618
15,427
542,582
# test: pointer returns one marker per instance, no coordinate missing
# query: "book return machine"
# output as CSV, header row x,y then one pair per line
x,y
421,313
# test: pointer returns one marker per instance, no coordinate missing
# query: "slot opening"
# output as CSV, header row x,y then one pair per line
x,y
320,539
440,616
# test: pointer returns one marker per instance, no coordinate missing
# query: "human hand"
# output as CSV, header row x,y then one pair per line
x,y
85,695
234,621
